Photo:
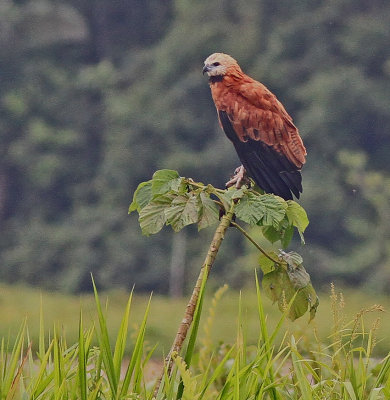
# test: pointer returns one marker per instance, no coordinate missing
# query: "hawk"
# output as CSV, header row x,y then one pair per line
x,y
263,133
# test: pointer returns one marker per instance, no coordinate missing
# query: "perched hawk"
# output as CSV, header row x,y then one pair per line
x,y
263,134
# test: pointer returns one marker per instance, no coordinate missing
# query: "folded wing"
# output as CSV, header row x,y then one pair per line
x,y
266,140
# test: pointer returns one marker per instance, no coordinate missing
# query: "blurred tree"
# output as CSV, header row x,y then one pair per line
x,y
97,95
368,259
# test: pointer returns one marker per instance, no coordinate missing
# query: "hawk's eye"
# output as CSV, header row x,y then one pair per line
x,y
216,64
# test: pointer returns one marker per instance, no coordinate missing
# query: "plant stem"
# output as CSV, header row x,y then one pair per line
x,y
185,324
246,234
190,182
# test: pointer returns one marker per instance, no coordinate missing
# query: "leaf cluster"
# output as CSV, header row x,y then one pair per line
x,y
173,200
169,199
287,282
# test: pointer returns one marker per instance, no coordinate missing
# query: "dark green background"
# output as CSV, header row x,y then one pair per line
x,y
95,95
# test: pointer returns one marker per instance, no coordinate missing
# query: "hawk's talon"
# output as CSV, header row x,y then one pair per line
x,y
239,178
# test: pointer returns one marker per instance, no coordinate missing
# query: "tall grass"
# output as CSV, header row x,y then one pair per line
x,y
281,365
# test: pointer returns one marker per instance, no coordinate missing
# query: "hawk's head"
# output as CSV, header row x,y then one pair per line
x,y
219,64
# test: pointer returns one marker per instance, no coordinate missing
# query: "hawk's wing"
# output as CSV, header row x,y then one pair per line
x,y
266,140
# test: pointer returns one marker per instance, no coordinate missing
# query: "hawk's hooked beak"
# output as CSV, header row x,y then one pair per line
x,y
206,68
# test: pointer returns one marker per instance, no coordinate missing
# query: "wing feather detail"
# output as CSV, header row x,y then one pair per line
x,y
269,168
255,113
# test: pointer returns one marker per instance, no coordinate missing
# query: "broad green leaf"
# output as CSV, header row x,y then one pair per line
x,y
289,280
142,196
152,217
297,215
275,210
225,200
313,299
266,264
208,211
292,258
283,234
299,278
286,236
271,234
265,210
278,288
236,194
249,209
275,282
165,180
228,195
184,211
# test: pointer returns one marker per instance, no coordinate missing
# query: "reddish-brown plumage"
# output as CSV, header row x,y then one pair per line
x,y
256,115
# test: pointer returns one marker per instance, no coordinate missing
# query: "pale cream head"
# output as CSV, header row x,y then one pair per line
x,y
218,64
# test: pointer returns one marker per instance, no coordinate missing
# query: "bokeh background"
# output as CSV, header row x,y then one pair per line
x,y
95,95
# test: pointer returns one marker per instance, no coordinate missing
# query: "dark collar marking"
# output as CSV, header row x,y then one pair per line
x,y
216,78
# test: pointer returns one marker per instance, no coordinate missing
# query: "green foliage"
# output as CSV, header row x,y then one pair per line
x,y
263,210
287,281
56,375
238,370
79,129
336,363
175,201
168,199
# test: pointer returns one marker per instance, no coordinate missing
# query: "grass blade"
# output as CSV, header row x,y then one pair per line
x,y
264,333
41,348
42,381
383,372
58,362
121,340
217,372
82,371
16,380
195,323
302,381
349,388
105,347
134,366
375,394
95,392
10,368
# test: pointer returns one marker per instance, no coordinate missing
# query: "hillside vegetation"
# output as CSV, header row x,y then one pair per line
x,y
96,96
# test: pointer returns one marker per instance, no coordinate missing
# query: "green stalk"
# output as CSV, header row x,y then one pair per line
x,y
246,234
192,304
